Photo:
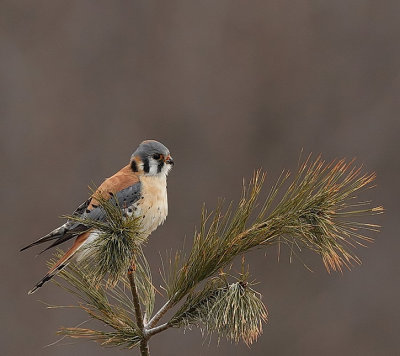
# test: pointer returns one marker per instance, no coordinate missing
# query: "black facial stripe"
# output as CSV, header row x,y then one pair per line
x,y
134,166
159,167
146,166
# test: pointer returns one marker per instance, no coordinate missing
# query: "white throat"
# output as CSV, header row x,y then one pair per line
x,y
153,171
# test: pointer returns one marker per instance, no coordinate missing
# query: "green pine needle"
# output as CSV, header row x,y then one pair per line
x,y
121,338
318,210
112,307
232,310
119,240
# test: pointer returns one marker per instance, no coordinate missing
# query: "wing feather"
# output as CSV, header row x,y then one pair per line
x,y
124,185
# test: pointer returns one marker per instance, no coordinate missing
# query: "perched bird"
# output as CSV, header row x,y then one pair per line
x,y
140,189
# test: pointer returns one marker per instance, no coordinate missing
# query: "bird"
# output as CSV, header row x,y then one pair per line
x,y
140,188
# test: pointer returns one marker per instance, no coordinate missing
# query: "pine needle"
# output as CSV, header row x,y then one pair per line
x,y
112,307
232,310
317,211
119,240
125,339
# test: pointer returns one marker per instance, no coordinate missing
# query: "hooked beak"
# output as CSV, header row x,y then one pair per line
x,y
169,160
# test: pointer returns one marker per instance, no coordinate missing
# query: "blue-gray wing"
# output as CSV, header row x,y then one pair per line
x,y
125,198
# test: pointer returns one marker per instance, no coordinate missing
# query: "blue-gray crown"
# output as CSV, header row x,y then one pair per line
x,y
149,147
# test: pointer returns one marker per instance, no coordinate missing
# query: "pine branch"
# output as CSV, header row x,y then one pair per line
x,y
319,210
144,347
234,310
161,312
109,306
157,329
144,283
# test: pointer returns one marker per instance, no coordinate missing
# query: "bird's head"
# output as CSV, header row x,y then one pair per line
x,y
151,158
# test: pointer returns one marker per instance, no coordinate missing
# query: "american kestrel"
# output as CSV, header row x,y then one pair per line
x,y
141,190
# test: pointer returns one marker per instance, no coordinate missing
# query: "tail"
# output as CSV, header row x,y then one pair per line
x,y
62,262
55,234
47,277
65,232
60,235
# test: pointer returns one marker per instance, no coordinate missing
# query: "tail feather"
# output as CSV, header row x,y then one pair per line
x,y
65,237
50,236
63,261
47,277
65,232
61,234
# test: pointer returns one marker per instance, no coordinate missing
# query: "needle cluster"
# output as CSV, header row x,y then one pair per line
x,y
112,307
233,310
120,239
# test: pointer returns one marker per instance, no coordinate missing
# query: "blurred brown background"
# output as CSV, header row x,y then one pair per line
x,y
228,86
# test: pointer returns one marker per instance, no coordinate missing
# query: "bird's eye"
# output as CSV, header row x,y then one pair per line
x,y
156,156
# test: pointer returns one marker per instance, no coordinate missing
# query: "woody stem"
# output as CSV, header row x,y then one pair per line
x,y
144,347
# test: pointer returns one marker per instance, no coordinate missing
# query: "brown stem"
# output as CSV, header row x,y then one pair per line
x,y
156,318
144,347
158,329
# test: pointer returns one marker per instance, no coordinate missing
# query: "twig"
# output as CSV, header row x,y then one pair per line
x,y
144,347
157,329
157,316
